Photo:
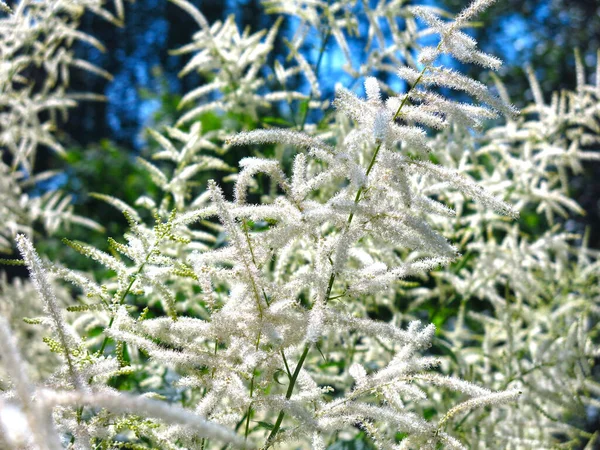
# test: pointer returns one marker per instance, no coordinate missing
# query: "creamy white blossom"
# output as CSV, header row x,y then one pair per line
x,y
287,310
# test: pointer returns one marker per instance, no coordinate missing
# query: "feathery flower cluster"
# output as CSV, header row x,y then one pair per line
x,y
249,322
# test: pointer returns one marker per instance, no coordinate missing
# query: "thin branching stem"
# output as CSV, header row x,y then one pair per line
x,y
122,299
288,395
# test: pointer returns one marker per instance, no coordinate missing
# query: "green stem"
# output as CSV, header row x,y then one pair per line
x,y
133,278
260,315
249,412
288,395
287,367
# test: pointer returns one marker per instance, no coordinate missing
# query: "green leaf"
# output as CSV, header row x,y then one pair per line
x,y
277,374
277,121
265,425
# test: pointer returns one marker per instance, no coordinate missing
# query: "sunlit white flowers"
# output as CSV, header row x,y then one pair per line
x,y
290,309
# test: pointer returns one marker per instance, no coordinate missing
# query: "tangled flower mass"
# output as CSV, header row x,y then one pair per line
x,y
359,276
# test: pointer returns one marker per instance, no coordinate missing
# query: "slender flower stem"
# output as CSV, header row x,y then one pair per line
x,y
249,412
260,314
288,395
287,367
112,319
